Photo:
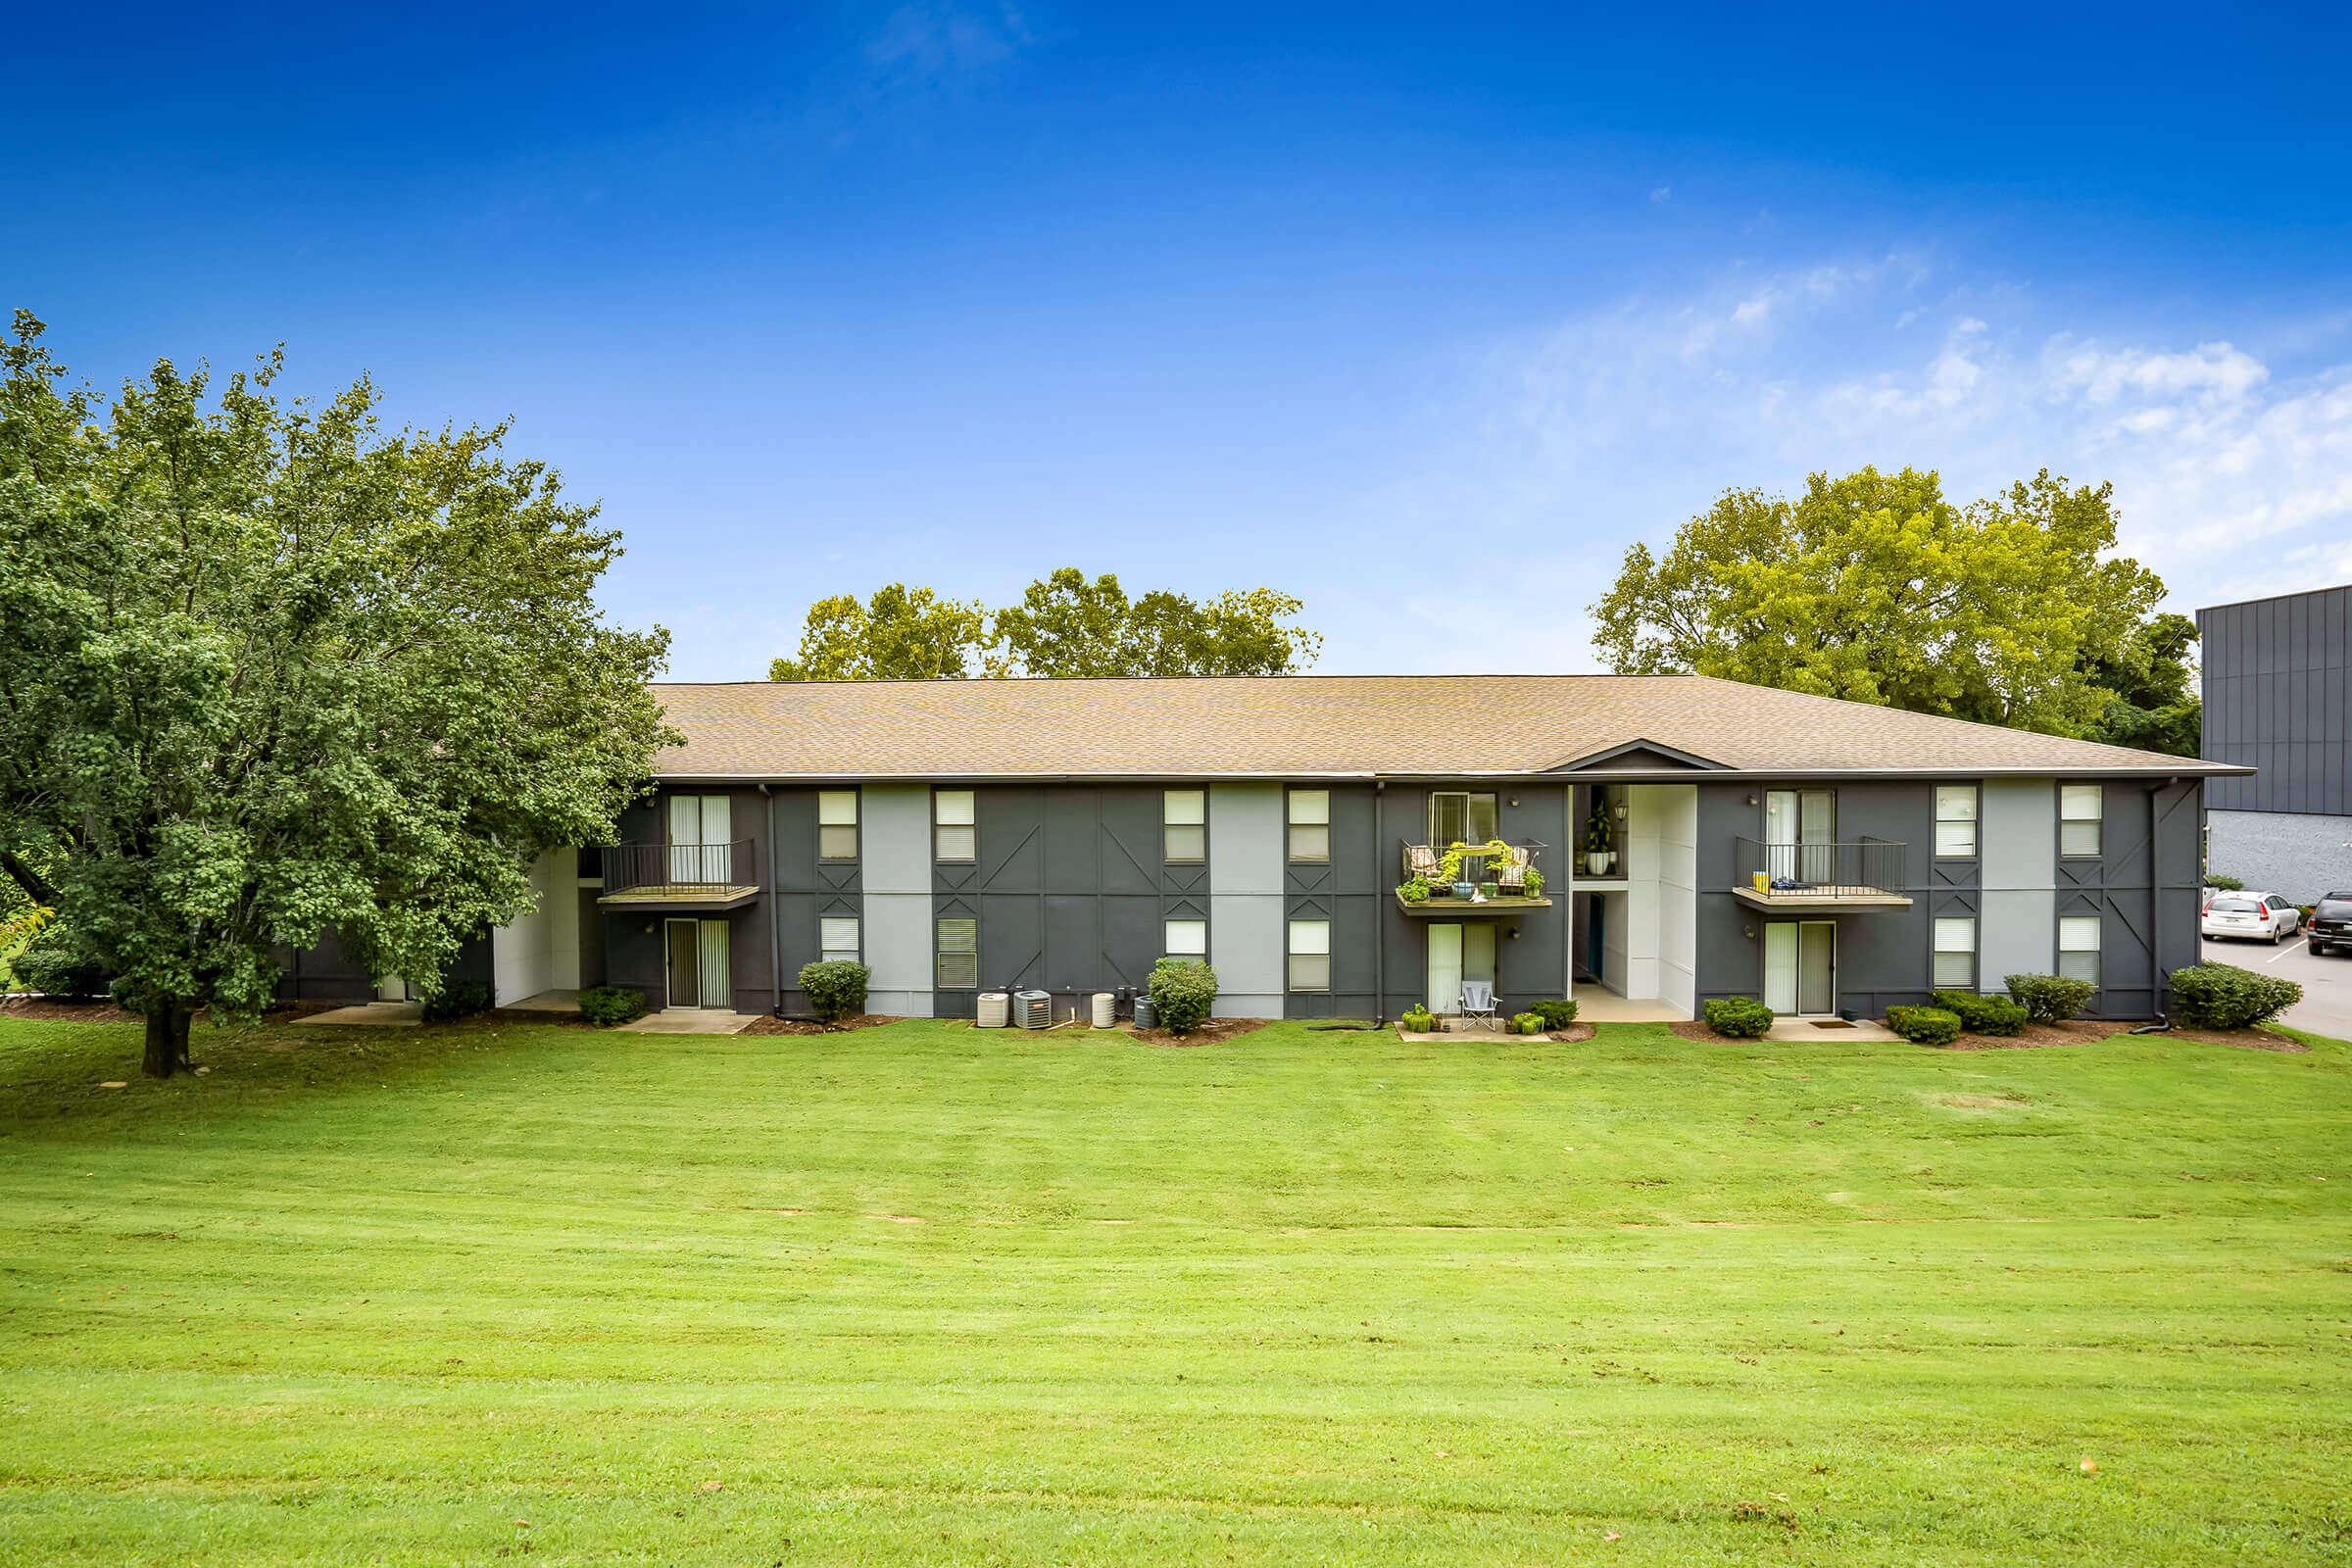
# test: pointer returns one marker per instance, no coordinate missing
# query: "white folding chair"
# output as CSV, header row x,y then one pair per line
x,y
1478,1001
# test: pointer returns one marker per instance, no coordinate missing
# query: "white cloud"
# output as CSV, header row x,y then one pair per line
x,y
1663,194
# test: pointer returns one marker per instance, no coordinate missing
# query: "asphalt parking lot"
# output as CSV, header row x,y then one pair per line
x,y
2326,1005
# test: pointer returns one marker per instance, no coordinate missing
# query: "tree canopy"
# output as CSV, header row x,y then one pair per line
x,y
1065,624
274,670
1875,588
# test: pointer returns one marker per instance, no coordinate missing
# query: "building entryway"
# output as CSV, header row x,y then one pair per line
x,y
1458,950
1800,966
698,964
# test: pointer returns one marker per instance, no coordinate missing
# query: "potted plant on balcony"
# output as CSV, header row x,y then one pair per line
x,y
1534,883
1413,890
1600,838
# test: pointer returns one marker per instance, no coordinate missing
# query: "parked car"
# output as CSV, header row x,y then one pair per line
x,y
2265,917
2331,923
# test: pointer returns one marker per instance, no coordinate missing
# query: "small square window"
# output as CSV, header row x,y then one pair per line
x,y
955,837
1310,956
837,938
1955,967
1955,820
2080,807
1183,826
959,954
1186,939
1311,825
837,824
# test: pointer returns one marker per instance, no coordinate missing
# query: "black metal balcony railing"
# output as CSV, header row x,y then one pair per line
x,y
683,867
1867,869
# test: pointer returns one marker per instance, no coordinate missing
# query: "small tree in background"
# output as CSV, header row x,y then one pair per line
x,y
274,670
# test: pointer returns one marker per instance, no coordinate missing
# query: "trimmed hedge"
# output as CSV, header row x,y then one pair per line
x,y
1984,1015
460,1001
2221,996
1183,990
1558,1015
1925,1026
612,1004
835,989
50,965
1527,1023
1738,1017
2049,998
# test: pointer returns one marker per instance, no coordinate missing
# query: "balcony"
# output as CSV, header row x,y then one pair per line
x,y
685,877
1821,878
1419,859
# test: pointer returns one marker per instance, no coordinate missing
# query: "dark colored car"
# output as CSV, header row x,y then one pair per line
x,y
2331,923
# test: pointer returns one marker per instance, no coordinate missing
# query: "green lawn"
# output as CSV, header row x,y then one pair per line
x,y
925,1295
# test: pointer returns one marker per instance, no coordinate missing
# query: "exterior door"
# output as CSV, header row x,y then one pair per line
x,y
1458,950
700,826
685,963
1800,966
1800,833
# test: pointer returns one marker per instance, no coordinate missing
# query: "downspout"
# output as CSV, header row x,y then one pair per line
x,y
1380,927
2157,974
775,927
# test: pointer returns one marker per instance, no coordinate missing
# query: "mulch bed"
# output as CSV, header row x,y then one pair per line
x,y
1215,1030
2088,1031
69,1012
766,1024
1696,1029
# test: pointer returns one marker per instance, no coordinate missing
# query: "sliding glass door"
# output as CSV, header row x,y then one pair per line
x,y
1800,832
1800,966
699,976
1458,950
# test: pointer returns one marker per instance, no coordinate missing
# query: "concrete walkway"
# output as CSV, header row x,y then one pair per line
x,y
1828,1031
1600,1004
563,1003
690,1021
372,1015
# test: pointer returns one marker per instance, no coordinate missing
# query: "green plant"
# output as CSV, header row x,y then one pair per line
x,y
1527,1023
2221,996
612,1004
1738,1017
835,989
1449,863
1984,1015
1535,883
1183,990
1600,833
1556,1013
1419,1020
2049,998
1414,890
2223,884
1925,1026
53,965
460,1001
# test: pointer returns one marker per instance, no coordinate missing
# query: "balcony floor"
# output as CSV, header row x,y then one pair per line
x,y
683,896
1782,900
1454,908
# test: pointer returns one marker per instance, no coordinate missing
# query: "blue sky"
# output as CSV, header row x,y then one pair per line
x,y
1339,299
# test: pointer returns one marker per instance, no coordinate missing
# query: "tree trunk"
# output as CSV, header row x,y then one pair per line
x,y
166,1038
36,887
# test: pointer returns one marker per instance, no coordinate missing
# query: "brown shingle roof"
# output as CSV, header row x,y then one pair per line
x,y
1301,726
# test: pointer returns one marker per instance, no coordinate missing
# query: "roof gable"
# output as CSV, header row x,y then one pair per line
x,y
1646,756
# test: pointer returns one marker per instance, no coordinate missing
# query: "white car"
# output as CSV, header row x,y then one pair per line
x,y
2264,916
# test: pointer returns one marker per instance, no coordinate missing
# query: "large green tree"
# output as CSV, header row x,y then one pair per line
x,y
1875,588
1065,624
274,670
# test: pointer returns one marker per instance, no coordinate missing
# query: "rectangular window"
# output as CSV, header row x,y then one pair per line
x,y
1311,825
1457,817
700,826
2078,946
2080,807
1310,954
959,954
1186,939
1183,826
1955,820
837,824
953,837
837,938
1955,953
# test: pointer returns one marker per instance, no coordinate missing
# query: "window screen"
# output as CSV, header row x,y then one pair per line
x,y
2078,946
959,954
1183,826
1310,824
1187,938
837,824
1955,966
2080,807
954,836
1955,820
1310,954
837,938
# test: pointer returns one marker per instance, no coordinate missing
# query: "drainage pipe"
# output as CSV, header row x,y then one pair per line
x,y
1379,920
775,924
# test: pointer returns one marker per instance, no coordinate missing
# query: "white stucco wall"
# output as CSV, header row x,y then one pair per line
x,y
540,951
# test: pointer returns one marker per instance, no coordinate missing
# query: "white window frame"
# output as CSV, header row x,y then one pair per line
x,y
836,810
830,947
2071,797
1965,797
2077,949
1309,940
954,830
1947,943
942,952
1183,812
1307,817
1174,947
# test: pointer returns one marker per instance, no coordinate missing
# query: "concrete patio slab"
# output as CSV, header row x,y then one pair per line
x,y
372,1015
1595,1005
564,1002
1828,1031
690,1021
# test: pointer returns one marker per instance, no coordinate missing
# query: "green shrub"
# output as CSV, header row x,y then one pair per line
x,y
2223,884
612,1004
2049,998
1527,1023
1984,1015
460,1001
1183,990
835,989
52,965
1419,1020
1925,1026
1556,1014
1738,1017
2221,996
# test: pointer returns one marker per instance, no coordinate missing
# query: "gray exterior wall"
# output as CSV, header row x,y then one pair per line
x,y
2291,852
2278,687
2016,829
634,955
894,849
1247,831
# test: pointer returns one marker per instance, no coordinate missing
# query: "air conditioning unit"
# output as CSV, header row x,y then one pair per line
x,y
1107,1011
1146,1014
1033,1010
995,1009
